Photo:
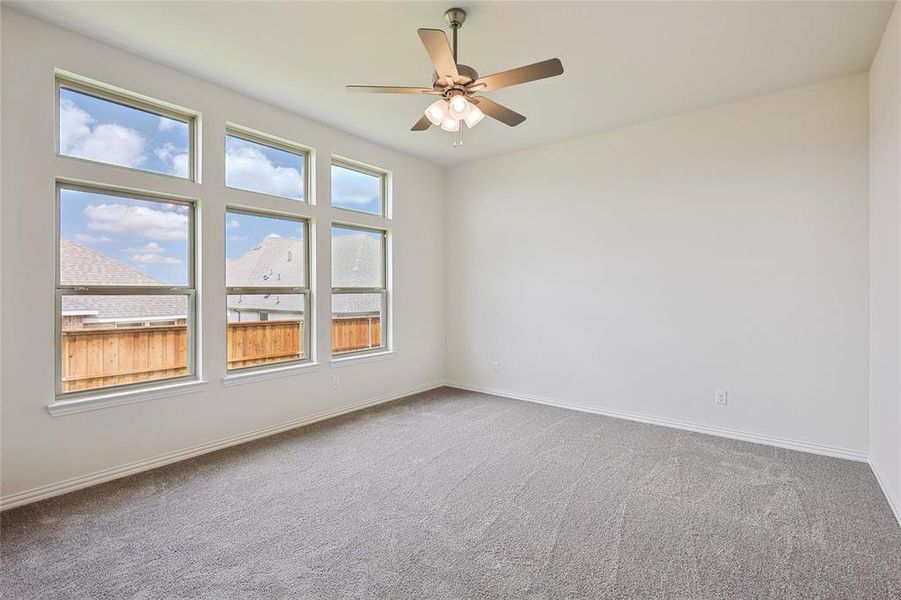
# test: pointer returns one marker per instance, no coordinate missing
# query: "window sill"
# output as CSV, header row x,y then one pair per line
x,y
363,358
107,400
272,373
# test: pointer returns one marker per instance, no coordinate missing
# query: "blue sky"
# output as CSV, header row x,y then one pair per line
x,y
151,237
108,132
244,232
356,191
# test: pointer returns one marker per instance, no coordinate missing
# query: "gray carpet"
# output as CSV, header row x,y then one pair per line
x,y
451,494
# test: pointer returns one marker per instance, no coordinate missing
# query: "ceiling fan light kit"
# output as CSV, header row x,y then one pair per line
x,y
458,85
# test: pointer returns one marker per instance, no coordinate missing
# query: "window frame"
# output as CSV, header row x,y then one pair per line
x,y
189,291
384,185
384,291
306,291
101,91
276,143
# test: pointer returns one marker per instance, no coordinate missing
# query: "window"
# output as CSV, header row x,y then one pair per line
x,y
359,289
357,188
125,292
110,128
268,296
260,164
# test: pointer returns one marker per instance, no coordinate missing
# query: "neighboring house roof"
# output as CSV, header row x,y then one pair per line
x,y
137,308
279,262
356,262
275,262
84,266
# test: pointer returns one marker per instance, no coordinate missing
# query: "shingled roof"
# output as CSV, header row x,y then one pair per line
x,y
83,266
275,262
278,261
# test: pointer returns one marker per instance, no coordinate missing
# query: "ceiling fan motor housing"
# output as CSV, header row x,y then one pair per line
x,y
467,76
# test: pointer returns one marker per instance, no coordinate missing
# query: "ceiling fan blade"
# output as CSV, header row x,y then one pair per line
x,y
540,70
387,89
498,111
435,42
422,124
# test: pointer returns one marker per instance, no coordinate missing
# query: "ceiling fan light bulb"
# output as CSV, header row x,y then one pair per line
x,y
459,107
436,112
450,124
474,117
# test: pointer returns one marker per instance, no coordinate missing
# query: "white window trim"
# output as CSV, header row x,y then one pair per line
x,y
122,397
386,326
384,176
306,291
262,373
103,91
361,358
278,143
107,394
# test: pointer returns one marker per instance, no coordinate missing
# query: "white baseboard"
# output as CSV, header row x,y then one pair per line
x,y
674,423
894,503
76,483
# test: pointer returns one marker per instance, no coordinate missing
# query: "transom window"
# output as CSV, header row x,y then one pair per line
x,y
261,164
358,188
107,127
125,293
268,295
359,289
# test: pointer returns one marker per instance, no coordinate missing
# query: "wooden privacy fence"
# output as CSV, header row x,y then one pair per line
x,y
260,342
105,356
112,356
350,334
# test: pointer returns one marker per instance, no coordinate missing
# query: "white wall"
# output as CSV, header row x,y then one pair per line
x,y
640,269
40,450
885,261
634,271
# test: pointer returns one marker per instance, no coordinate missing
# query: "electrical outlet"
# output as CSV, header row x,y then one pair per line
x,y
496,367
721,397
336,383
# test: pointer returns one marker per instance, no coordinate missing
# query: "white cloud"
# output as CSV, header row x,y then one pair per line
x,y
152,253
233,224
166,124
352,187
176,157
154,259
148,248
273,235
250,169
74,124
108,142
140,220
87,238
180,165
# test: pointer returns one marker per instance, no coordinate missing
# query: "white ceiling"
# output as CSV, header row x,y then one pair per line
x,y
626,62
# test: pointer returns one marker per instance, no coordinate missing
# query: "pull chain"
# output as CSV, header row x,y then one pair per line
x,y
458,137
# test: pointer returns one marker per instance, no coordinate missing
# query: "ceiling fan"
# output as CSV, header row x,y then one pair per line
x,y
458,85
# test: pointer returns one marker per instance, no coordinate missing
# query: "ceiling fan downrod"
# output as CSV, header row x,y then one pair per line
x,y
455,18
